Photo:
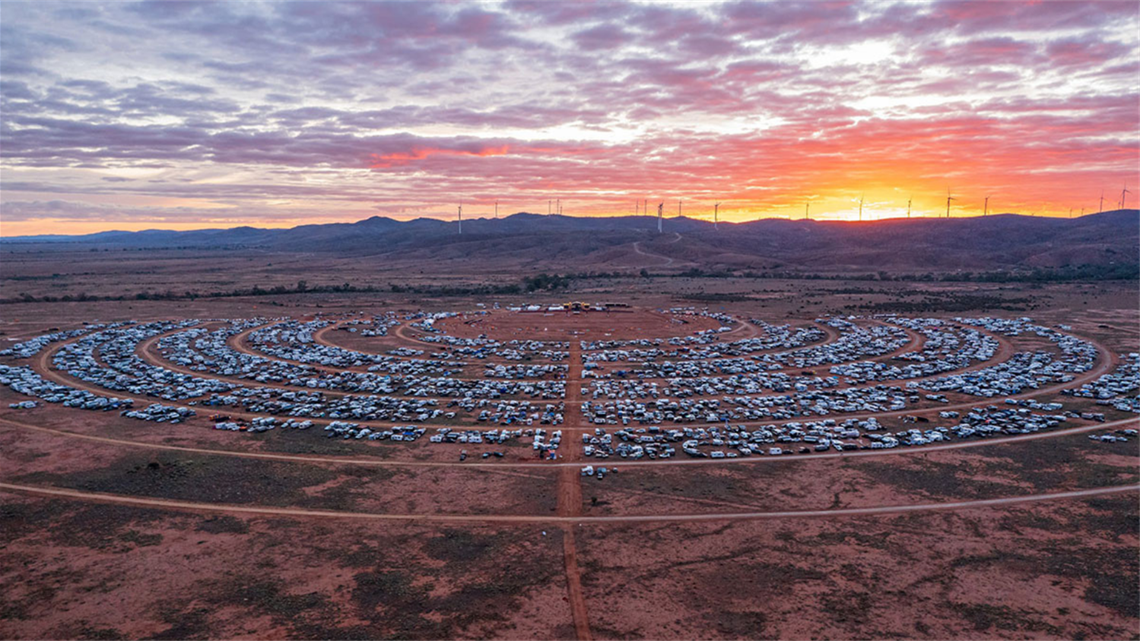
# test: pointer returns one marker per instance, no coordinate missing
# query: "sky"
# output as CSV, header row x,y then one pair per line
x,y
182,115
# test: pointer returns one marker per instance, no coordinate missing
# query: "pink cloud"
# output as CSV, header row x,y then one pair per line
x,y
400,159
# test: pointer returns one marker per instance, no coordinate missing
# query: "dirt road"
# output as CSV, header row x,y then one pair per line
x,y
570,499
193,506
668,261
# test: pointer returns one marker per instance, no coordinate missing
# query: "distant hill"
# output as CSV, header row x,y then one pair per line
x,y
527,240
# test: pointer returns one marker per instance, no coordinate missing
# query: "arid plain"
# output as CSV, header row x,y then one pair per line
x,y
118,527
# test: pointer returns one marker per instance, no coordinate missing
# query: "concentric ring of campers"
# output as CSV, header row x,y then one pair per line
x,y
656,393
1117,389
210,352
776,337
293,341
482,346
854,342
1024,370
880,398
378,326
33,346
119,368
699,378
946,348
27,381
807,437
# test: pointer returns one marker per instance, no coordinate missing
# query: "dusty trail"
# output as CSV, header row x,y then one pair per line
x,y
402,332
194,506
569,491
668,261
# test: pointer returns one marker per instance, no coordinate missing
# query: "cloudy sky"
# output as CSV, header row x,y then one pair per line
x,y
184,114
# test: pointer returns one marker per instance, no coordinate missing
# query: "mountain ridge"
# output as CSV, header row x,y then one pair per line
x,y
527,240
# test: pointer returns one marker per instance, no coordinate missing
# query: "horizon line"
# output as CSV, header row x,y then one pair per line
x,y
492,218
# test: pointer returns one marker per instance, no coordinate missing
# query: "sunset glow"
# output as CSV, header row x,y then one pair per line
x,y
184,115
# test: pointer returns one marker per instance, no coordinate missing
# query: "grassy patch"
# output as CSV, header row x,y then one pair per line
x,y
848,606
1113,517
141,539
91,632
257,594
987,616
185,624
224,524
313,441
211,479
739,625
934,479
461,546
389,588
1110,571
98,527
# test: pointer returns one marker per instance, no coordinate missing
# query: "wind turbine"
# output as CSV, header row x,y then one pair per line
x,y
716,218
1070,212
1123,193
860,207
678,208
460,218
986,209
908,207
807,208
496,210
1101,202
948,199
660,206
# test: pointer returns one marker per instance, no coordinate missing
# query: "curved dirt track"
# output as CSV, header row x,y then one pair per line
x,y
668,261
347,460
194,506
